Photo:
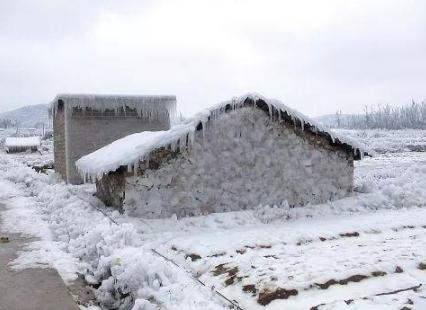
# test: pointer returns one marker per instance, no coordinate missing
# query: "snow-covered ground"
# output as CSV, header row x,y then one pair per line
x,y
367,251
385,141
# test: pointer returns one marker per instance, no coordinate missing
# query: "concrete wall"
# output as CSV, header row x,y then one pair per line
x,y
86,133
59,142
244,160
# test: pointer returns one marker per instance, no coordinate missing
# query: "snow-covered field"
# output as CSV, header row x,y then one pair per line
x,y
367,251
385,141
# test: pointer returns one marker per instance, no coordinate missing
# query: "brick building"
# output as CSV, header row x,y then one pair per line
x,y
85,123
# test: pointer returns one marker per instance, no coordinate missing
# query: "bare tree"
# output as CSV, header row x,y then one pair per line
x,y
338,118
387,117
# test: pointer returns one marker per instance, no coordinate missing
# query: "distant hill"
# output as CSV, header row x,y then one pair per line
x,y
29,116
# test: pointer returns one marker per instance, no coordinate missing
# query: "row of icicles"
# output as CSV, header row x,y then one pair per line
x,y
186,141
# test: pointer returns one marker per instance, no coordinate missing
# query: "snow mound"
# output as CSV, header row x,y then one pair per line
x,y
21,142
130,149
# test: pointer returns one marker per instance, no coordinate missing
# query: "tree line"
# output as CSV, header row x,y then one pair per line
x,y
411,116
6,123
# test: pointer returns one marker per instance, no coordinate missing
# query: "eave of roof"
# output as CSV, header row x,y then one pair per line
x,y
148,105
113,97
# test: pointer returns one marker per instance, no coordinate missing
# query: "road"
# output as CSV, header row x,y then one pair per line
x,y
29,289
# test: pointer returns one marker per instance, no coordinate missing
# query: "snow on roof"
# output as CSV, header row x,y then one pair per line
x,y
130,149
151,106
13,142
127,151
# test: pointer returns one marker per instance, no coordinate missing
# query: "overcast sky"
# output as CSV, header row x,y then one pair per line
x,y
316,56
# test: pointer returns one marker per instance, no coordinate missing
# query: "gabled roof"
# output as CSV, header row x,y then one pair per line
x,y
130,149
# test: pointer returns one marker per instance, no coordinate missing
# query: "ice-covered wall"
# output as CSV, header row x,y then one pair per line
x,y
242,159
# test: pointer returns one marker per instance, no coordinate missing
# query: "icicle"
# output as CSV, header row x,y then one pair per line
x,y
129,168
204,124
270,110
135,170
191,138
182,142
293,120
187,142
153,107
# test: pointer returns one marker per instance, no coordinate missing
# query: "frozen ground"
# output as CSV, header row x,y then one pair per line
x,y
367,251
385,141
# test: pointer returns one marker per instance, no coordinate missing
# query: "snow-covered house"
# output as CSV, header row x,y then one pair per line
x,y
237,155
21,144
84,123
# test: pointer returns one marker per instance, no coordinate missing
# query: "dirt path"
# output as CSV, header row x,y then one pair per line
x,y
29,289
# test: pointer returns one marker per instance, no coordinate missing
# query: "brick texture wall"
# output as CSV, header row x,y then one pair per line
x,y
86,134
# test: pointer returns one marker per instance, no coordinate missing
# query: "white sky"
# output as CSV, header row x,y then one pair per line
x,y
316,56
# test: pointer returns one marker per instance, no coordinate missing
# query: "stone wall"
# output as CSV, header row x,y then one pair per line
x,y
242,159
111,188
86,133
